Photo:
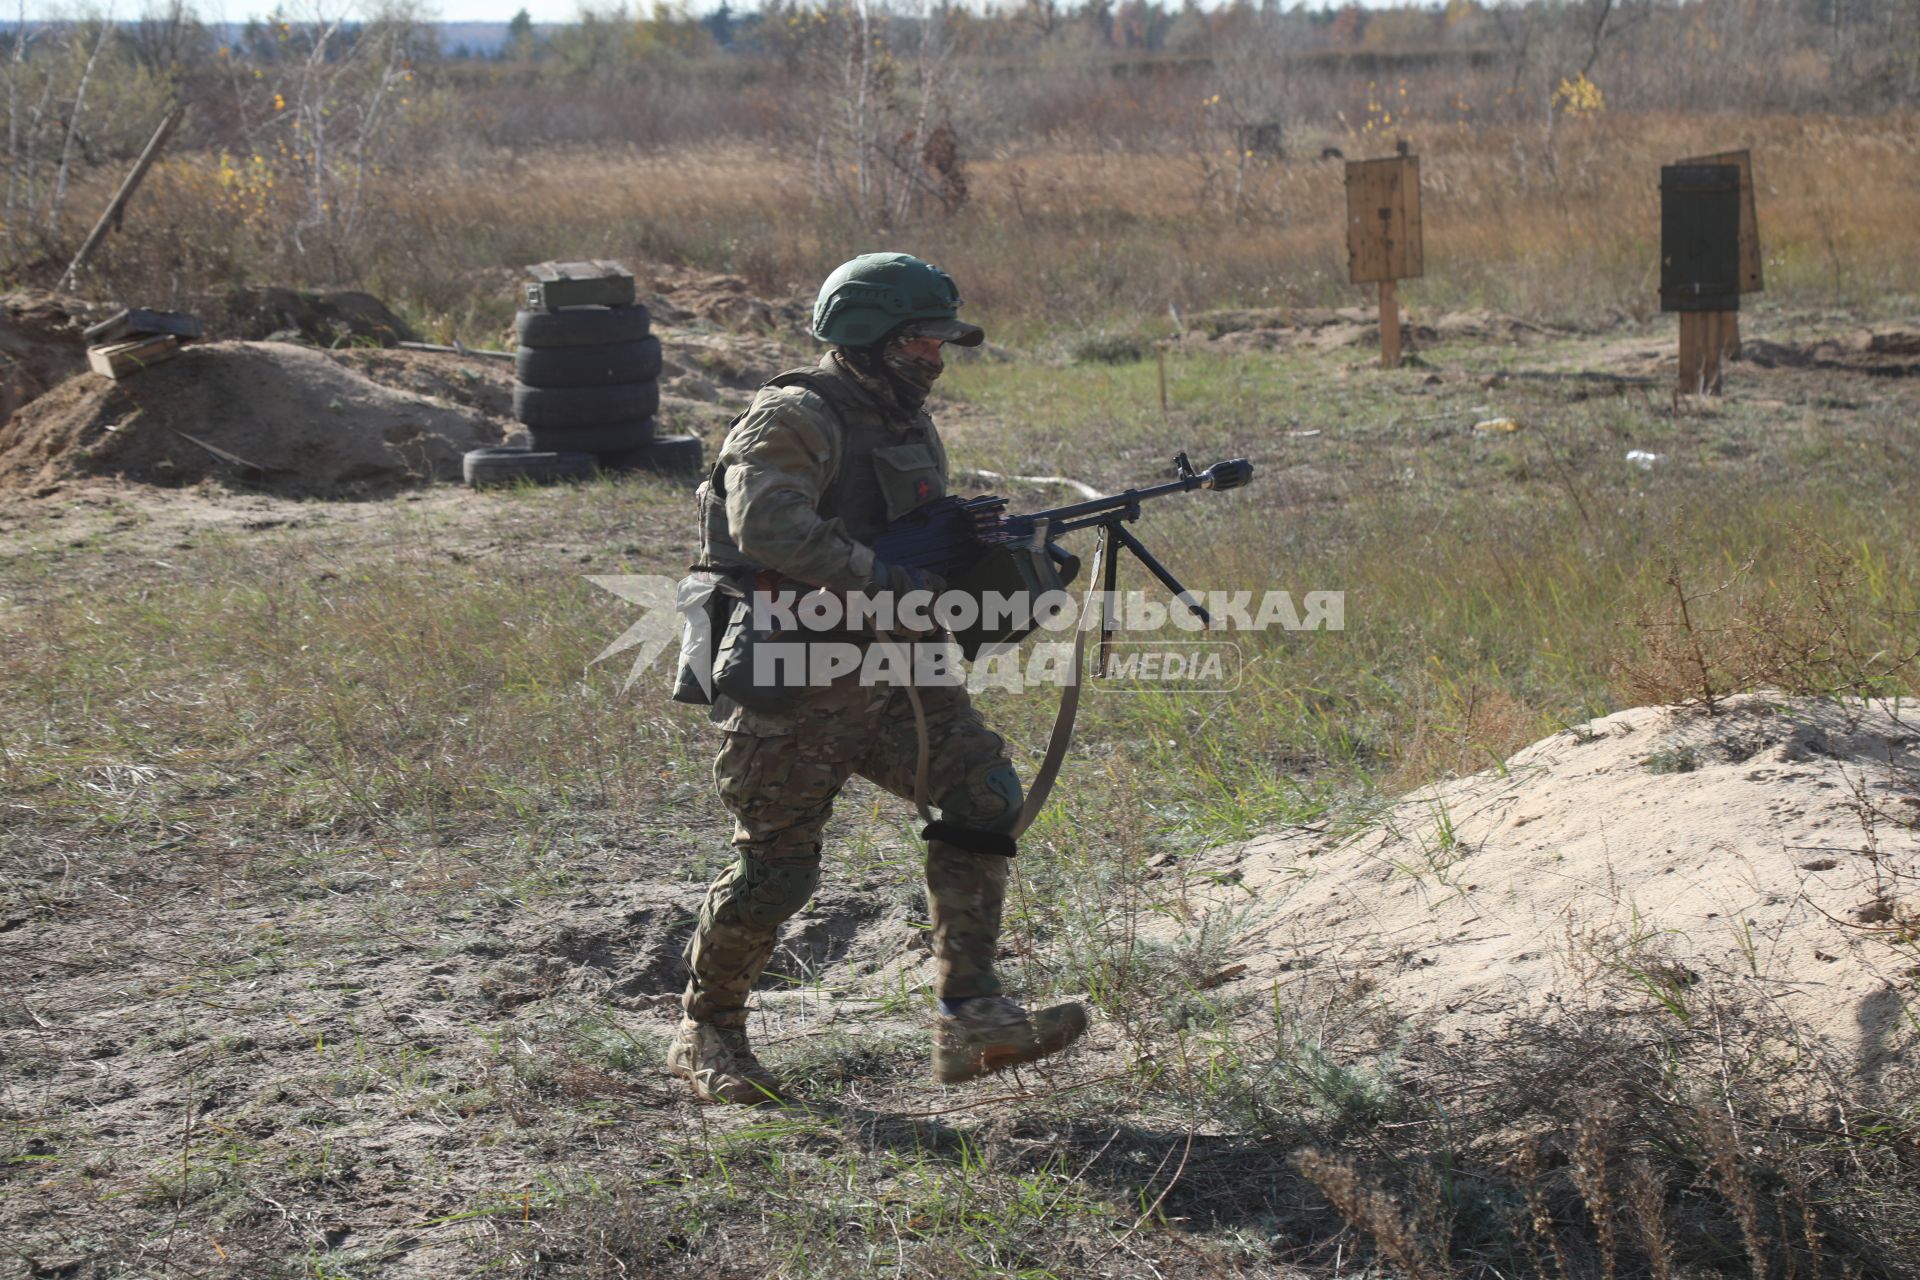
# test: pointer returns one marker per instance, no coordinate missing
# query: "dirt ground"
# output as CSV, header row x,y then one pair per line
x,y
227,1056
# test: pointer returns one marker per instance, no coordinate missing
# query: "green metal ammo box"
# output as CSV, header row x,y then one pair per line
x,y
579,284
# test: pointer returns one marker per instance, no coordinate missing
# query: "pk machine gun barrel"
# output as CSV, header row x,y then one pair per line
x,y
949,534
1096,511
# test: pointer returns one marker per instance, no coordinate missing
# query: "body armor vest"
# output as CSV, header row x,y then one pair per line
x,y
884,469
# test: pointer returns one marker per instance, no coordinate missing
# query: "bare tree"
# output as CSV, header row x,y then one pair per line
x,y
59,199
168,40
886,145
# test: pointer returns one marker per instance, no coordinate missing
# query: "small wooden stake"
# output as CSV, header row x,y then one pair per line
x,y
1703,339
1389,325
1160,354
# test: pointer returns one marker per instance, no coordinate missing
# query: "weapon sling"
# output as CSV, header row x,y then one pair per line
x,y
1062,736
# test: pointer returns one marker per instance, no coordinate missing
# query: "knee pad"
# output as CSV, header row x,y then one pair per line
x,y
768,893
970,839
989,799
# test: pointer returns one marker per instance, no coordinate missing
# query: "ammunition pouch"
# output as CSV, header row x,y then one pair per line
x,y
741,676
1023,571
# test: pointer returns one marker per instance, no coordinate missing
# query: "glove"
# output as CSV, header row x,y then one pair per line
x,y
900,579
896,580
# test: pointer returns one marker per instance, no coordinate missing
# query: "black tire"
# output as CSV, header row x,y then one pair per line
x,y
610,437
667,455
611,364
500,465
547,407
582,326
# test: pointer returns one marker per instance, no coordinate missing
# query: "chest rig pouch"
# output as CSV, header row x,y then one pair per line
x,y
883,473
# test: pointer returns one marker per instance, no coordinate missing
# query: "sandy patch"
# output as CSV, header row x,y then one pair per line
x,y
1769,856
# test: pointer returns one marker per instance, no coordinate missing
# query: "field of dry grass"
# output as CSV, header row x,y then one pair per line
x,y
1556,223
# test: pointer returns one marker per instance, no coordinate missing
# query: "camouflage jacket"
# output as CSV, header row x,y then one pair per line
x,y
811,472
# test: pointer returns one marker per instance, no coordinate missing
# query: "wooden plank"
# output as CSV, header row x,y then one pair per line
x,y
1389,325
1751,278
1702,338
1369,209
124,359
1413,254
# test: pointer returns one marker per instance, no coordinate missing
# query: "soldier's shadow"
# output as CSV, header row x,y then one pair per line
x,y
1193,1180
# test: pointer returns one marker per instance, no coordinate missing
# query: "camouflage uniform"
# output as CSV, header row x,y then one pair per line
x,y
805,479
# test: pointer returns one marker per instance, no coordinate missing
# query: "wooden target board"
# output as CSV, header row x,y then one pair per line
x,y
1383,219
1710,256
1750,277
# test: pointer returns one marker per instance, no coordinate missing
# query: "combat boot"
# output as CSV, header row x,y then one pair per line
x,y
720,1065
991,1033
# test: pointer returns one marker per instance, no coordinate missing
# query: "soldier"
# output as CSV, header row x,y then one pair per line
x,y
824,459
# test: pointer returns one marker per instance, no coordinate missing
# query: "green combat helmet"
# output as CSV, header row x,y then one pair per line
x,y
866,299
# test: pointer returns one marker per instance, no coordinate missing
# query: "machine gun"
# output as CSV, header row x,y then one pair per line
x,y
977,546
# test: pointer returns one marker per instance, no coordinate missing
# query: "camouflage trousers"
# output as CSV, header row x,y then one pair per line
x,y
779,775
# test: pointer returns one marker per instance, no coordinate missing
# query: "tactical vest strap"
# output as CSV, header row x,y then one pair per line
x,y
830,389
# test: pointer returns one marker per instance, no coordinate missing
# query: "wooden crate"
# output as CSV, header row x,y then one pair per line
x,y
124,359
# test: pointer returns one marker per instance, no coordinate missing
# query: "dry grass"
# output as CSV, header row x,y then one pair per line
x,y
1559,226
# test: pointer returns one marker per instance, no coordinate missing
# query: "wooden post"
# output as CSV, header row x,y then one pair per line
x,y
1389,325
1160,355
111,215
1702,345
1730,335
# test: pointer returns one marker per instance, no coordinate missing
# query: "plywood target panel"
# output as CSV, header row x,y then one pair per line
x,y
1750,280
1383,219
1699,237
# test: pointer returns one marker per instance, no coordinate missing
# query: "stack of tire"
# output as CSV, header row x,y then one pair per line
x,y
587,390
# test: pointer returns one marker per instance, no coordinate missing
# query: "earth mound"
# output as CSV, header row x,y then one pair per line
x,y
1332,328
1764,861
1882,351
268,413
330,318
40,345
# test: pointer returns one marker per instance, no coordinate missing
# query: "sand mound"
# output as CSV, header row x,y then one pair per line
x,y
296,419
1767,858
